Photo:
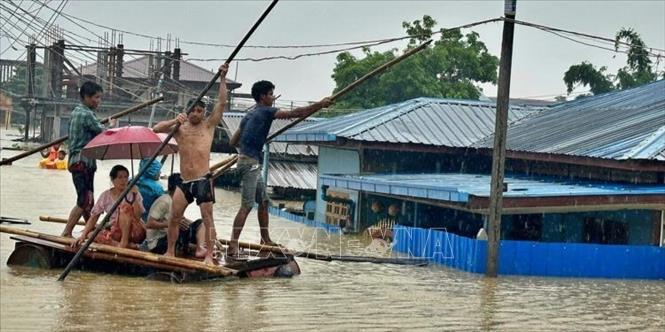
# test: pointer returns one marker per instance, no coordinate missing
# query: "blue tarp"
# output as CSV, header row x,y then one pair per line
x,y
534,258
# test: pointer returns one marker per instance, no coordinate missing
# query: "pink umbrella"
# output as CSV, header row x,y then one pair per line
x,y
132,142
173,143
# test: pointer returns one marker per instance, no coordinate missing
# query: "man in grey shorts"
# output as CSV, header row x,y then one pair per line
x,y
249,139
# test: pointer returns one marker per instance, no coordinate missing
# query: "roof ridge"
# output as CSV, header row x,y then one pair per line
x,y
419,103
388,109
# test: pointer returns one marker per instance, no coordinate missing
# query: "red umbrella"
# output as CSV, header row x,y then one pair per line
x,y
132,142
173,143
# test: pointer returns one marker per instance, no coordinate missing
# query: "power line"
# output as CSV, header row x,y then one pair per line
x,y
187,90
379,42
101,79
558,32
22,32
230,45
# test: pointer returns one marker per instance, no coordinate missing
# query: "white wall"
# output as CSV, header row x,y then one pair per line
x,y
335,161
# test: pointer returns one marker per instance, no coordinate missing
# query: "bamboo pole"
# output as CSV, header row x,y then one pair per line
x,y
130,253
289,252
96,255
59,220
214,167
131,184
328,258
9,161
357,82
337,95
222,163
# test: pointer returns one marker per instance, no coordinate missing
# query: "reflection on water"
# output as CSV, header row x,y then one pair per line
x,y
327,296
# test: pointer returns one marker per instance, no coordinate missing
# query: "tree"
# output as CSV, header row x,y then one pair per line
x,y
18,82
450,68
586,74
638,71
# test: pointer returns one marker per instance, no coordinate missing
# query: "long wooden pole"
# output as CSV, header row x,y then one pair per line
x,y
499,151
357,82
337,95
285,251
8,161
214,167
131,184
146,256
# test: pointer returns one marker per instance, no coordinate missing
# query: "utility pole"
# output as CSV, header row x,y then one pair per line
x,y
499,151
57,60
30,88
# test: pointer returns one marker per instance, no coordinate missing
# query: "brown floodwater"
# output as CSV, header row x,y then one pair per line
x,y
326,296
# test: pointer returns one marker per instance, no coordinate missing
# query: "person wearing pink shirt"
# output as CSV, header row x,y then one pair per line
x,y
125,228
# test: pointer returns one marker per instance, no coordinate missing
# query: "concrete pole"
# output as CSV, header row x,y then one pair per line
x,y
499,152
30,88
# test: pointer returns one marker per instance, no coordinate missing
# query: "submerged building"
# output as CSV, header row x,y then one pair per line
x,y
584,190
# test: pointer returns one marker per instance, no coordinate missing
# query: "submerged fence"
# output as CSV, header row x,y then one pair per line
x,y
533,258
301,219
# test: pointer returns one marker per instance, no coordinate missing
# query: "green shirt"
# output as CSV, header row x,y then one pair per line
x,y
83,127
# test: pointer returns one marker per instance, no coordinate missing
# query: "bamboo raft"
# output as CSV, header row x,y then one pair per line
x,y
39,250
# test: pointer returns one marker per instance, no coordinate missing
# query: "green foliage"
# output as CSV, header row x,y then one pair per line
x,y
586,74
638,71
450,68
17,83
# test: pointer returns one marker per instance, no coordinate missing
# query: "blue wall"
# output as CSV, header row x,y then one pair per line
x,y
534,258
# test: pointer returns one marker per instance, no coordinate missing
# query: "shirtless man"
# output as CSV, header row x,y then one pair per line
x,y
194,139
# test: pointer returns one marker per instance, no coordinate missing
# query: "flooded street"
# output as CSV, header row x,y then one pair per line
x,y
326,296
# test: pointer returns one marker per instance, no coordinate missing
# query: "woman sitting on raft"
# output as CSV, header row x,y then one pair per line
x,y
126,229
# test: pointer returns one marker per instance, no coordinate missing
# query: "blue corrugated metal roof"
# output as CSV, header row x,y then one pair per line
x,y
628,124
457,187
440,122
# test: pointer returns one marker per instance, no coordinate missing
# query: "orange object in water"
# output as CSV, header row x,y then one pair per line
x,y
53,153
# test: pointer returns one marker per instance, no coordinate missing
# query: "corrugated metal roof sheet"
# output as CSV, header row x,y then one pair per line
x,y
140,68
457,187
441,122
232,121
628,124
292,175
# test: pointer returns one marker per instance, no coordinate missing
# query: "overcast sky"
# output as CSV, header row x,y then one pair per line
x,y
539,59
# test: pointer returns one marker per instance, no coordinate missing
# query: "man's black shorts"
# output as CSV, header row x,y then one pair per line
x,y
201,190
84,179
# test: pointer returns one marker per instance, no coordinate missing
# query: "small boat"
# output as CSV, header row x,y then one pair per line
x,y
39,250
